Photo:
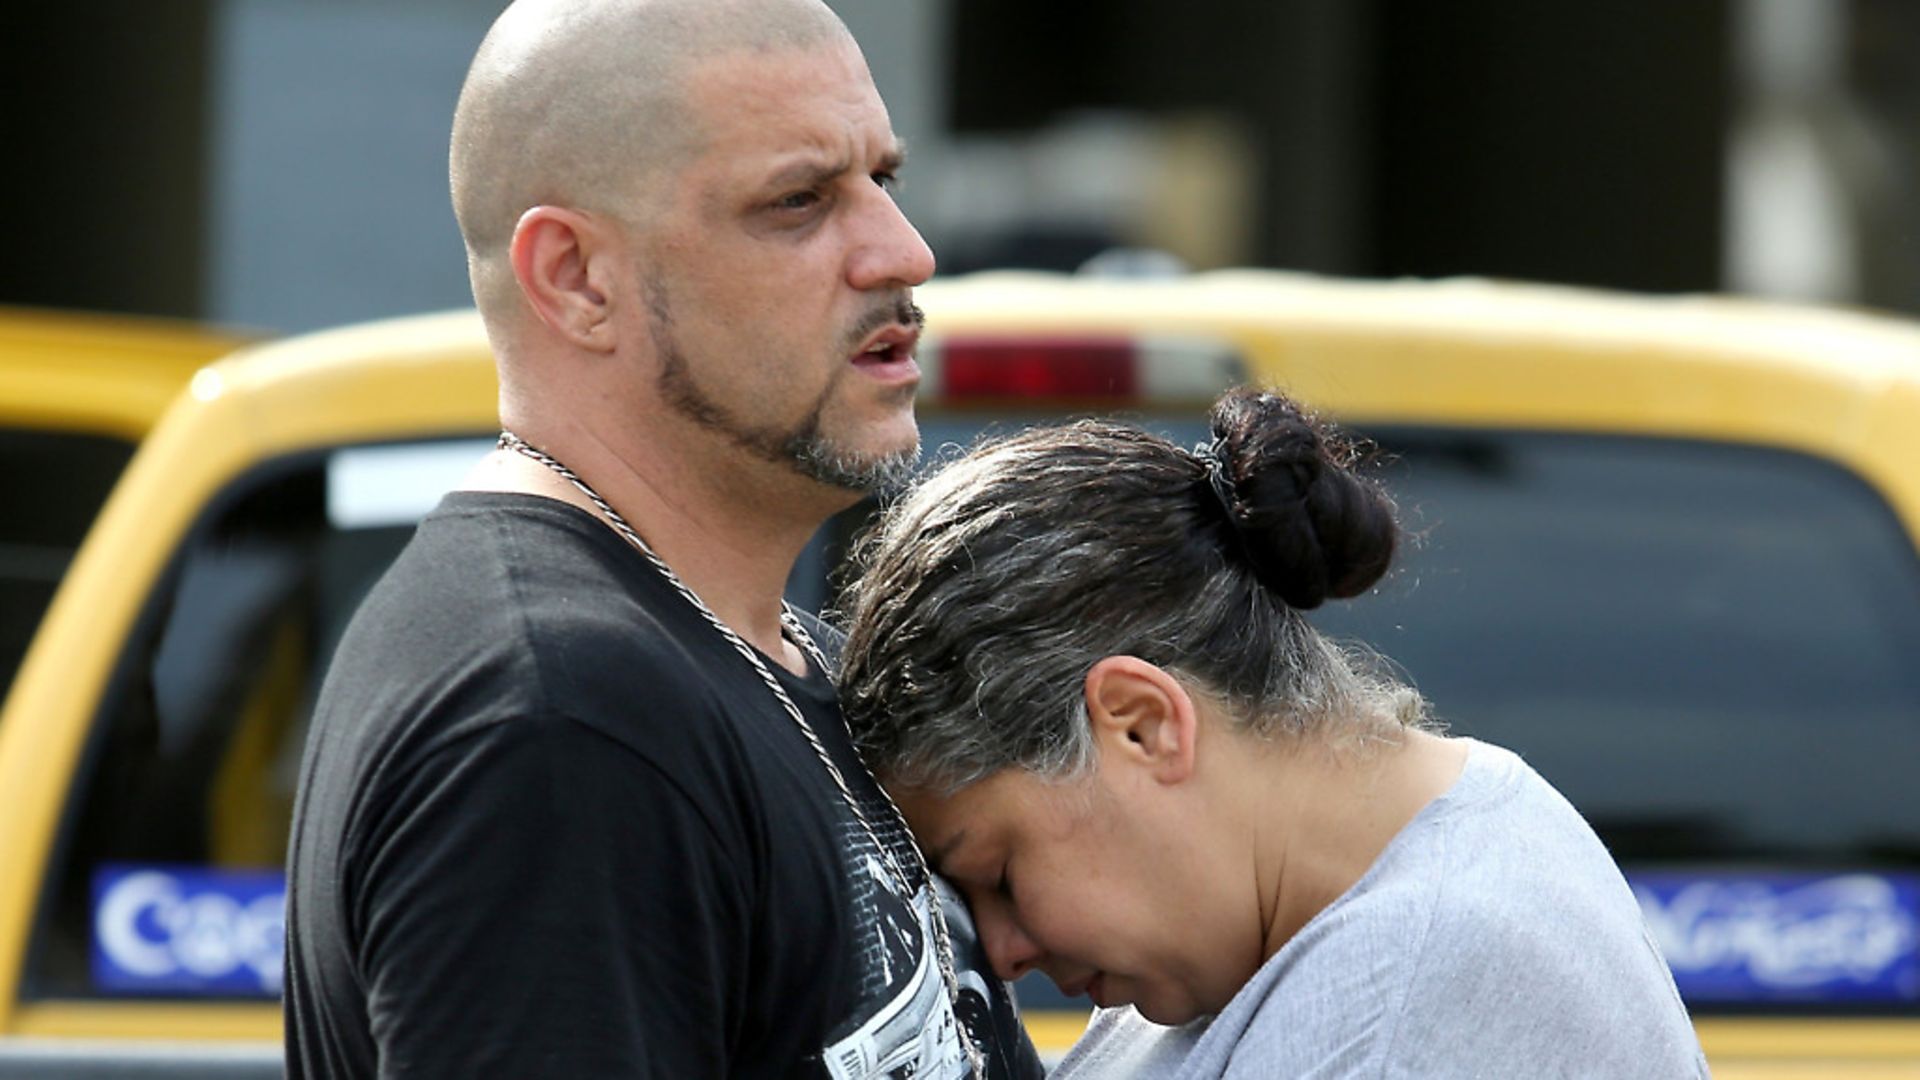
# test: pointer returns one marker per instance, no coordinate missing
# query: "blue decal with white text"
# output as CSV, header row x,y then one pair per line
x,y
188,930
1776,937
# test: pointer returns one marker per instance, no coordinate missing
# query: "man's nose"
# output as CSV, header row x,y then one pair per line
x,y
1011,951
890,252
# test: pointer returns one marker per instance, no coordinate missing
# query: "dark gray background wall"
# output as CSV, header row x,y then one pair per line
x,y
281,163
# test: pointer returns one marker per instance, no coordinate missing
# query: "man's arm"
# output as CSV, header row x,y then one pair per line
x,y
538,900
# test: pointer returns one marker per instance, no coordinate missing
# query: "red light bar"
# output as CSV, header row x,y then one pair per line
x,y
1105,368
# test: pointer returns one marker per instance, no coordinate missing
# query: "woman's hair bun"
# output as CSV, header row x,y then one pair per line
x,y
1307,522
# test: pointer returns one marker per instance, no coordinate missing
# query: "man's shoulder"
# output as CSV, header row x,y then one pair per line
x,y
466,574
507,607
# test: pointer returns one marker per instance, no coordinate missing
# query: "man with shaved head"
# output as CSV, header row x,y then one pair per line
x,y
578,800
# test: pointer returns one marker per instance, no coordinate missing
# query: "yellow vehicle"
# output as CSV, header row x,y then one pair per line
x,y
1668,551
77,393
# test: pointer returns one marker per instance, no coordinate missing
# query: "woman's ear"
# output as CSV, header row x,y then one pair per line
x,y
562,260
1142,718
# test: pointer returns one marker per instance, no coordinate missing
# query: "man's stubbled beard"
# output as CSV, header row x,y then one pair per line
x,y
804,446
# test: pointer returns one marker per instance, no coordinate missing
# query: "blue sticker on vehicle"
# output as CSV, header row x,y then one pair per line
x,y
188,931
1755,938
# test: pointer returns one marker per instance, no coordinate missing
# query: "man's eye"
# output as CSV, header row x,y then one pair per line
x,y
799,200
889,182
1004,886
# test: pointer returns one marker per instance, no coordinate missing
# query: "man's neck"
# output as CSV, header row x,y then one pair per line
x,y
736,560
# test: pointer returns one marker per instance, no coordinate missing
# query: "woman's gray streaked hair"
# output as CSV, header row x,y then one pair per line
x,y
987,593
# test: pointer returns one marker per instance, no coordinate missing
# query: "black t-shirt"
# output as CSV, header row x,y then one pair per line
x,y
550,823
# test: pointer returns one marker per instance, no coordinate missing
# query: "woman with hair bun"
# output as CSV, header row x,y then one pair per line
x,y
1078,658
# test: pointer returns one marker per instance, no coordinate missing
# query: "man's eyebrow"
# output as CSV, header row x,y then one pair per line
x,y
939,856
808,172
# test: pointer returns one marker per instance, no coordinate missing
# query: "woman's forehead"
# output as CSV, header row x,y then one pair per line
x,y
1009,808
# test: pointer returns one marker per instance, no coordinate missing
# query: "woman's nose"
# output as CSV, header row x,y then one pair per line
x,y
1012,952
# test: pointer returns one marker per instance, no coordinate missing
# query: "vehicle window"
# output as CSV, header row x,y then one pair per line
x,y
168,880
1709,649
51,485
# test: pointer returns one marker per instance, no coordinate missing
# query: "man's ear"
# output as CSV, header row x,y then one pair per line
x,y
564,261
1141,717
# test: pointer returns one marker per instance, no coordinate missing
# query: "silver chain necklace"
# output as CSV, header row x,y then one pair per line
x,y
792,629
